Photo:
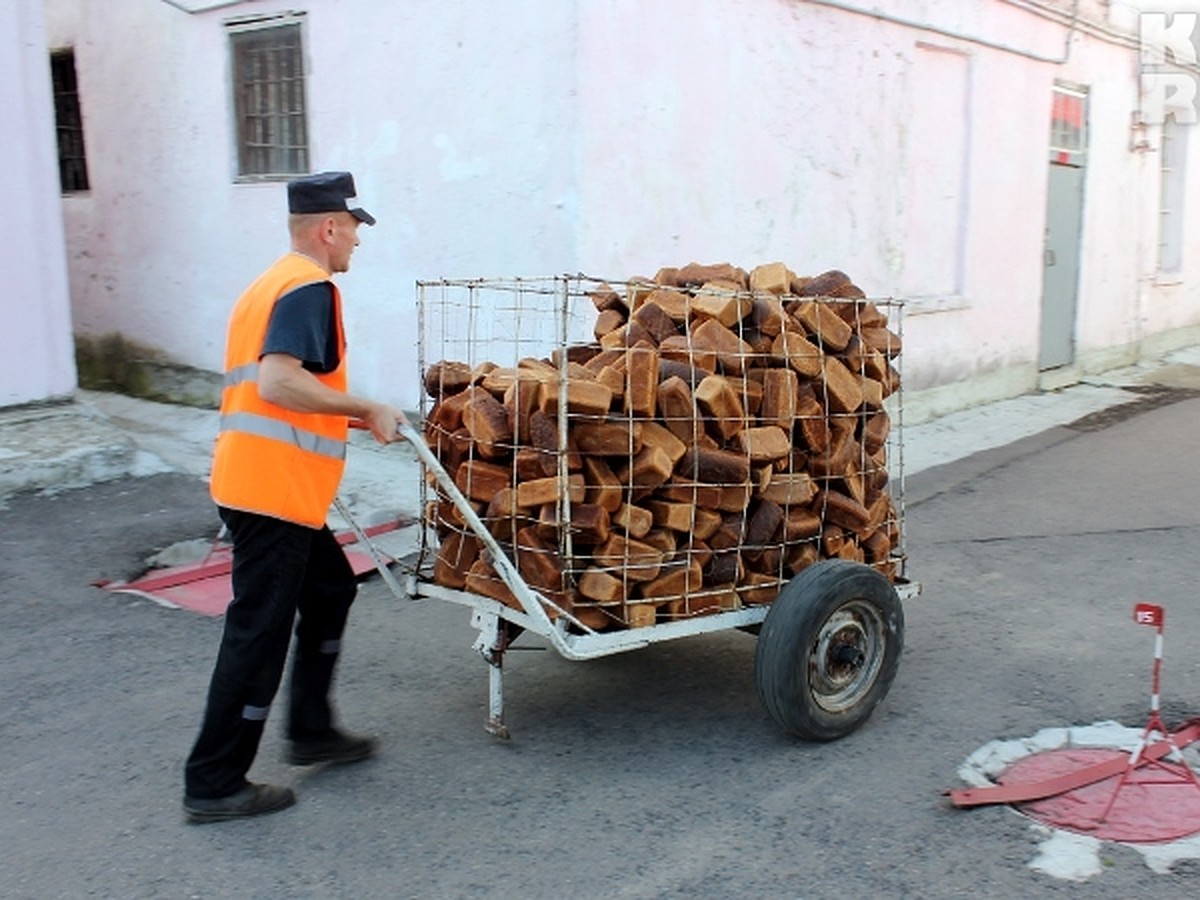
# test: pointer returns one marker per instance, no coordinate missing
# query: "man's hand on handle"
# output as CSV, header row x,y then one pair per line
x,y
383,421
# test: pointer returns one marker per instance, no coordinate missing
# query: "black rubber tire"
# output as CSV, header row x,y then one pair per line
x,y
829,649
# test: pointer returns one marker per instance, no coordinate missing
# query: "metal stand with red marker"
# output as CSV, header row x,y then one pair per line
x,y
1151,614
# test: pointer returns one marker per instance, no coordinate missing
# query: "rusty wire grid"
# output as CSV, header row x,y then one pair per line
x,y
650,452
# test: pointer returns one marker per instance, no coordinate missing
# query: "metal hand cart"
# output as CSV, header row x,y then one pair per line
x,y
829,642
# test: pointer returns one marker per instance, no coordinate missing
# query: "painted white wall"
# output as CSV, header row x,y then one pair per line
x,y
35,316
788,131
455,119
618,136
1125,304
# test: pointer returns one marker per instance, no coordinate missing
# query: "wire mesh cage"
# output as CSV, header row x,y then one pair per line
x,y
647,451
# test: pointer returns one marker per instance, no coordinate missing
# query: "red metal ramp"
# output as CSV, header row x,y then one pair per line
x,y
205,587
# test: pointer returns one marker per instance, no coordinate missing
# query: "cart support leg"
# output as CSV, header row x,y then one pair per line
x,y
495,721
490,645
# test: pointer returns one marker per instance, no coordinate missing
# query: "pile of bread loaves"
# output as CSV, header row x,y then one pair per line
x,y
725,430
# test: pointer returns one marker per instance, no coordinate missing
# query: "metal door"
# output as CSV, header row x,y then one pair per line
x,y
1060,281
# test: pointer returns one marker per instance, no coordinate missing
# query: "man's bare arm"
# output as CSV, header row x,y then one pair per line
x,y
284,381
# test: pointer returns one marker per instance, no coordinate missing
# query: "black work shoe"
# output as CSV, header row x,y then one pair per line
x,y
252,800
336,747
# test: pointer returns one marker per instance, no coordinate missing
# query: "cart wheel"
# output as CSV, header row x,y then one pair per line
x,y
829,649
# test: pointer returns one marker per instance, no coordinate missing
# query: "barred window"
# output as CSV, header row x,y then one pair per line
x,y
269,100
72,161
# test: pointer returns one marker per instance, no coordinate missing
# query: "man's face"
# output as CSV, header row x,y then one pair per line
x,y
344,240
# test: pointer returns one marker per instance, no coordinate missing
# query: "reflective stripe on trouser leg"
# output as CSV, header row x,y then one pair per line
x,y
329,590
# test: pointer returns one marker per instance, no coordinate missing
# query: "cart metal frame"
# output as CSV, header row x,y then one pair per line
x,y
570,637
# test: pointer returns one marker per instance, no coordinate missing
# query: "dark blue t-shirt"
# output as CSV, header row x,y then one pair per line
x,y
302,326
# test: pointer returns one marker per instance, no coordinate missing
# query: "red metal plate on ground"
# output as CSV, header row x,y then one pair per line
x,y
1153,805
205,587
1014,791
210,593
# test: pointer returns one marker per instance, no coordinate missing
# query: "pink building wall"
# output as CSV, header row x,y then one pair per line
x,y
35,314
905,142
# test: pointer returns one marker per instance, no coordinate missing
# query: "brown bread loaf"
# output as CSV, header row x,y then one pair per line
x,y
724,430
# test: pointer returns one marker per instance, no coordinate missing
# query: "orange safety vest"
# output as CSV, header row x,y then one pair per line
x,y
268,459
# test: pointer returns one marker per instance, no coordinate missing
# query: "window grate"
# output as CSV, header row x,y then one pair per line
x,y
72,160
268,74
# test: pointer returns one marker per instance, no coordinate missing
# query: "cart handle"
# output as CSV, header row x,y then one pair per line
x,y
529,599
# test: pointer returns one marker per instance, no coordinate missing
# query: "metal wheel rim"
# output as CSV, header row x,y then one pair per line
x,y
846,656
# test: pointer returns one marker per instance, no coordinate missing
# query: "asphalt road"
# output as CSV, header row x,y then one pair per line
x,y
650,774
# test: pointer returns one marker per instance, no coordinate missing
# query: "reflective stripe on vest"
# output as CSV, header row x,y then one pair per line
x,y
234,377
262,426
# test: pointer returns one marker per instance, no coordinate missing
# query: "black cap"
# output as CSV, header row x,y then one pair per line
x,y
326,192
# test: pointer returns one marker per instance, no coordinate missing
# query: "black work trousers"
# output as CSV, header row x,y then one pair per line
x,y
279,569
